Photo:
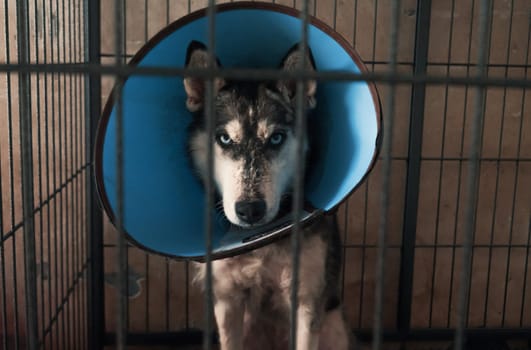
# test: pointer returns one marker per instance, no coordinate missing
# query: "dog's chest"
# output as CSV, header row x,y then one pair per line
x,y
264,271
265,275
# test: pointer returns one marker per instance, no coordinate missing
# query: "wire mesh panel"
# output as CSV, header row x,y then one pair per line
x,y
500,239
428,169
427,172
43,175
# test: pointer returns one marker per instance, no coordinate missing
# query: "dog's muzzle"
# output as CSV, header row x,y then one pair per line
x,y
250,211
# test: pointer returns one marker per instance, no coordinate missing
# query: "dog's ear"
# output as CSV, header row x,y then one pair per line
x,y
292,61
197,57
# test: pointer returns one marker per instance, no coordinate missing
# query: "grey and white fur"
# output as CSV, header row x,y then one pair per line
x,y
254,157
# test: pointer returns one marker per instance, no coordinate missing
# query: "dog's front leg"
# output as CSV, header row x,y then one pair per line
x,y
229,318
307,327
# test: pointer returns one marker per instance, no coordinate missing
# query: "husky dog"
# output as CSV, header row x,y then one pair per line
x,y
254,157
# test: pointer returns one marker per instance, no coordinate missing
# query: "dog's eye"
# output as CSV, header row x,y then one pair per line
x,y
277,138
223,139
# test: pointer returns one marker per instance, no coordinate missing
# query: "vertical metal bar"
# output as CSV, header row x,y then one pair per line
x,y
346,204
125,262
209,186
418,97
11,180
441,167
335,14
3,279
54,48
146,264
386,183
84,210
363,250
26,148
298,181
344,248
473,176
520,132
59,219
3,290
81,188
74,50
366,190
148,291
366,186
527,269
93,219
76,258
47,153
3,283
167,11
186,264
496,187
86,179
490,10
146,21
458,195
355,23
374,31
65,205
121,262
75,184
39,166
80,49
71,185
80,263
167,294
187,295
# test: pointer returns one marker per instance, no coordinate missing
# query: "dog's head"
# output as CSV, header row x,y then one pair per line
x,y
254,137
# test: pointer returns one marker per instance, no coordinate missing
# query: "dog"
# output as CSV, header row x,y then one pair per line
x,y
254,150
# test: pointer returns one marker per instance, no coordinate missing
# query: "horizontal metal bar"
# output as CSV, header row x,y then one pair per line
x,y
270,74
399,63
433,246
368,62
447,334
397,246
194,337
183,338
483,159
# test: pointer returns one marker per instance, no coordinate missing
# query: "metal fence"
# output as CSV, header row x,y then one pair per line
x,y
44,177
436,242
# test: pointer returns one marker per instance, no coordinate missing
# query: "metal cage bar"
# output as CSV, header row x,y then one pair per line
x,y
473,176
25,111
94,240
121,259
418,97
298,181
386,183
210,114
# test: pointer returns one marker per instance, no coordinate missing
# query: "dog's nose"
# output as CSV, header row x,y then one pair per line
x,y
251,211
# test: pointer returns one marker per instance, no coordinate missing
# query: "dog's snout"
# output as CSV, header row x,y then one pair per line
x,y
251,211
